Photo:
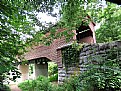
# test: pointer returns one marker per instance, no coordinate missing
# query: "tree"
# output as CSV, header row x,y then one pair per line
x,y
13,25
110,28
73,12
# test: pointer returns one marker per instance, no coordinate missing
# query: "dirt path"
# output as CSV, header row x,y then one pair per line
x,y
14,88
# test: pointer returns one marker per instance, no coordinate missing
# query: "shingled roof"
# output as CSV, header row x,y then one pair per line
x,y
51,52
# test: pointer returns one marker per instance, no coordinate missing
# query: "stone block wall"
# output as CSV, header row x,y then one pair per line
x,y
87,51
61,74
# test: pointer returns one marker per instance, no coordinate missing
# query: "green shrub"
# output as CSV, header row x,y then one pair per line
x,y
27,85
40,84
52,72
4,88
43,84
53,77
58,88
72,84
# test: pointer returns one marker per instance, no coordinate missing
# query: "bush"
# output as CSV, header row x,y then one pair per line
x,y
53,77
71,84
27,85
40,84
4,88
43,84
58,88
53,72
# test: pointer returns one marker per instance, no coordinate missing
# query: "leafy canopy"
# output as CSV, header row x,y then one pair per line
x,y
111,22
18,17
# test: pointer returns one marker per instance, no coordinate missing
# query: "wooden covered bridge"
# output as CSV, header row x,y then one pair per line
x,y
41,55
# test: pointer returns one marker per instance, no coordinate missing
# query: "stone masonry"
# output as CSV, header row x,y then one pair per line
x,y
87,51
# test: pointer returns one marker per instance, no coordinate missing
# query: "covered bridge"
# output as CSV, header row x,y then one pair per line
x,y
41,55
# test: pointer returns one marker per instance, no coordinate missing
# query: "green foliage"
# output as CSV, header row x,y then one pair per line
x,y
43,84
110,27
71,84
52,72
14,23
75,11
71,11
40,84
70,56
53,69
18,18
102,73
4,88
53,77
11,24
